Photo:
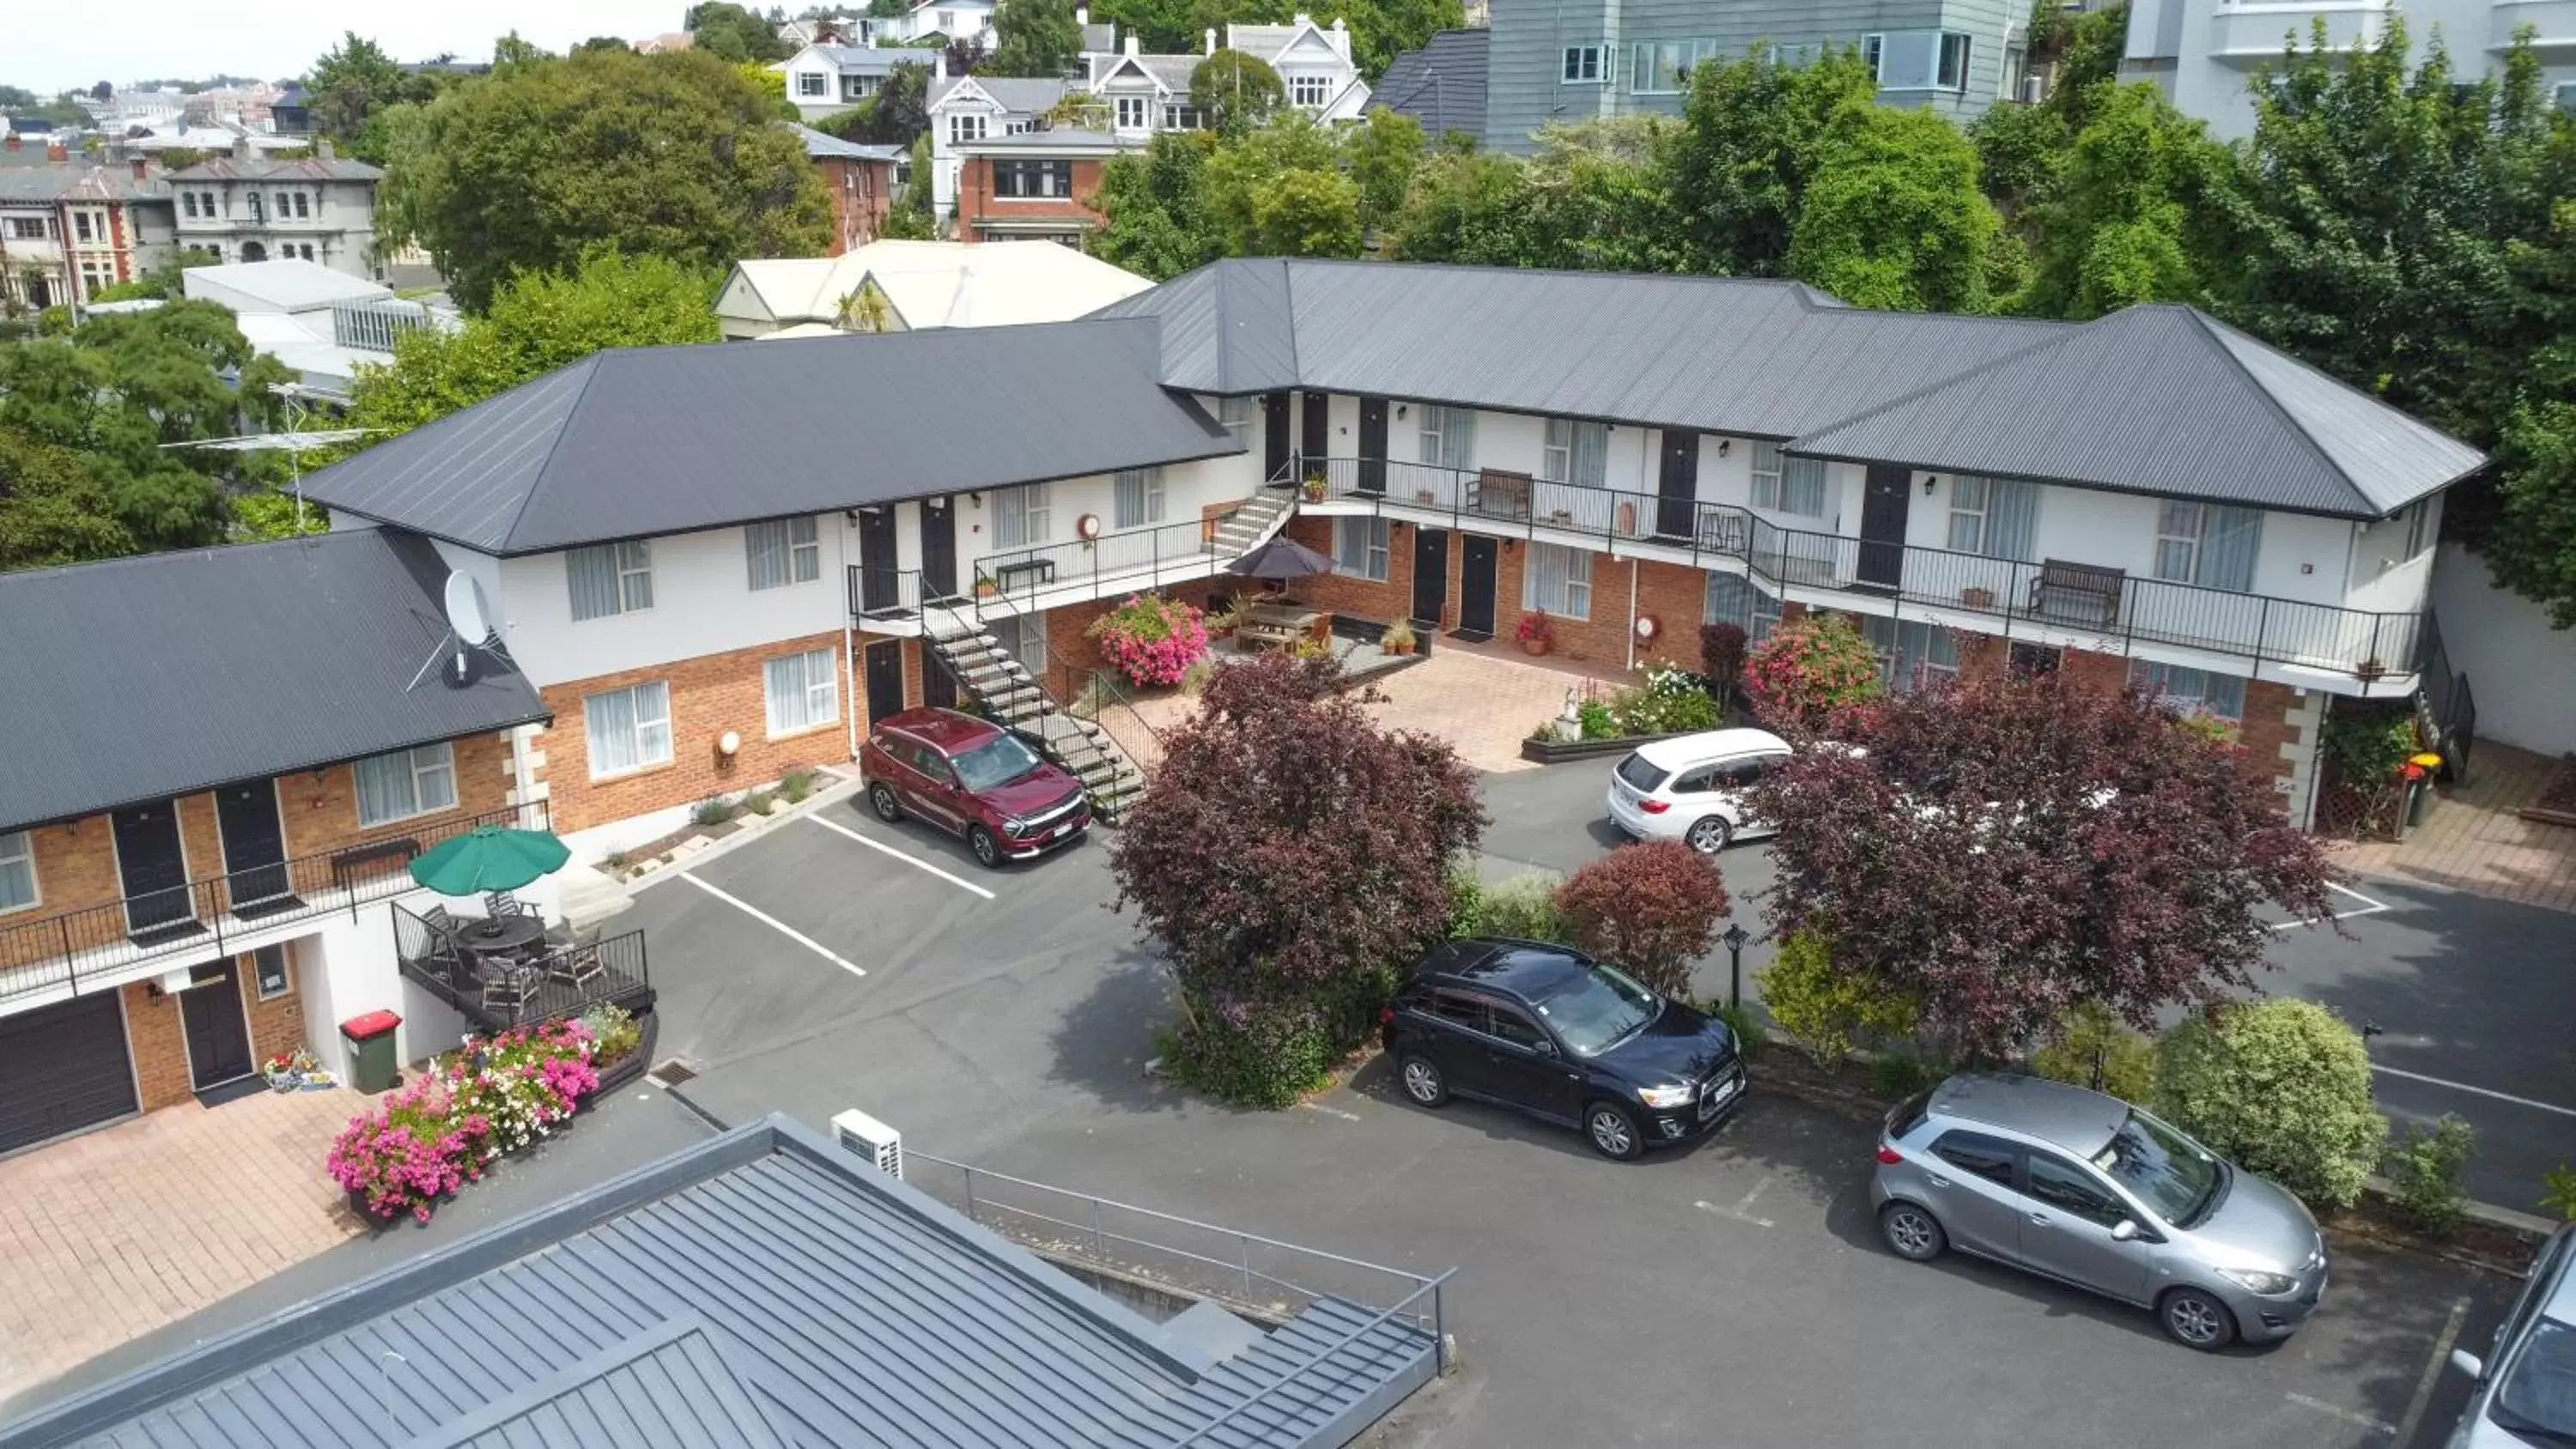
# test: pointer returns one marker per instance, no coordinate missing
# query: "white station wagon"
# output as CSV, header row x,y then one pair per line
x,y
1691,788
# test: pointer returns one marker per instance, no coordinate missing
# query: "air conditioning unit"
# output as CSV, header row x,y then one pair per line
x,y
2034,89
881,1145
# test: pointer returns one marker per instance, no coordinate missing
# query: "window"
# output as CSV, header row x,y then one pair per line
x,y
1015,128
610,578
282,205
308,251
1021,515
1309,91
966,127
2206,544
1911,652
301,210
1917,60
405,783
268,971
1559,580
257,211
2069,1189
948,22
1033,180
1788,485
1663,66
628,728
2419,516
1234,412
1180,118
1992,516
1734,599
80,225
2190,691
1977,1155
1360,547
2033,661
29,228
858,87
813,83
1954,63
1136,496
1131,113
1583,65
1517,1029
17,870
188,200
784,551
1575,452
206,203
804,691
1448,437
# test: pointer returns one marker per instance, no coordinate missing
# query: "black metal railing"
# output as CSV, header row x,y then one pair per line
x,y
202,918
2119,610
1135,558
551,980
884,595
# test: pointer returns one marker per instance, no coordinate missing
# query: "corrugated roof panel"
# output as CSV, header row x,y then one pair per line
x,y
2384,453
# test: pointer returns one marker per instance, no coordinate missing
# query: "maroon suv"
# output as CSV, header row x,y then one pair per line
x,y
974,779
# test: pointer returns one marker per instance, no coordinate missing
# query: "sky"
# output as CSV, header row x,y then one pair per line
x,y
278,39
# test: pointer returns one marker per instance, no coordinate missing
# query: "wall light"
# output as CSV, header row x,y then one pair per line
x,y
728,745
1722,445
1928,480
1399,410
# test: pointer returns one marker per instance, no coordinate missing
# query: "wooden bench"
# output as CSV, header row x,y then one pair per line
x,y
2078,593
1499,493
1040,569
352,862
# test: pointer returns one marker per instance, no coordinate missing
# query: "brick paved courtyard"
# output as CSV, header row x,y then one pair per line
x,y
109,1235
2473,841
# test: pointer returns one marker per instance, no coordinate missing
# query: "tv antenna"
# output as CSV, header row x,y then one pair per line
x,y
295,442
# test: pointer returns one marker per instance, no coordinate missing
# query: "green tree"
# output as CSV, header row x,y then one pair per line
x,y
603,42
729,32
2132,213
349,83
913,216
1594,196
1381,30
672,155
2533,549
2020,150
512,51
1383,152
1234,92
1465,207
2281,1087
1754,135
53,508
1894,217
1154,210
1034,38
1280,191
895,116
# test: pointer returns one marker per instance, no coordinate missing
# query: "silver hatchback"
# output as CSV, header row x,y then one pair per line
x,y
2091,1191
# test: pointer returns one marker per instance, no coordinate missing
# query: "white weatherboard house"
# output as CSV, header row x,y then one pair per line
x,y
1139,94
903,286
824,79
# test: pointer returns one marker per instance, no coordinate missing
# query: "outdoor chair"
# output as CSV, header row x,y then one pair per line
x,y
577,967
506,986
498,904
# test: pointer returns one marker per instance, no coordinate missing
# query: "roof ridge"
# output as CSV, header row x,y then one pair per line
x,y
563,425
2050,340
2207,326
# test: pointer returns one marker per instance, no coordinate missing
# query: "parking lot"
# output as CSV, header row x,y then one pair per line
x,y
1731,1294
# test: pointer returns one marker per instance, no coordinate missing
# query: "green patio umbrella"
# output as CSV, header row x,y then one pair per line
x,y
489,858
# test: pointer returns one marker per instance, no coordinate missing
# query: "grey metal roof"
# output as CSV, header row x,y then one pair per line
x,y
869,59
2162,399
763,1287
1753,358
1442,85
1017,94
309,168
139,678
635,442
821,145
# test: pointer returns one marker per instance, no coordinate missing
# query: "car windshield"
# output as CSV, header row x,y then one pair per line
x,y
997,761
2174,1176
1641,774
1595,1008
2538,1395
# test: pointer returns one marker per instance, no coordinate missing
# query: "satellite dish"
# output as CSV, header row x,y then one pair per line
x,y
465,612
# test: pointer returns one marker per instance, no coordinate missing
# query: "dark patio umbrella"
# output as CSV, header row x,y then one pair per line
x,y
1281,559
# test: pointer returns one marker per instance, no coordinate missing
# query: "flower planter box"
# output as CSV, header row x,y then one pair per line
x,y
1550,752
1534,646
613,1077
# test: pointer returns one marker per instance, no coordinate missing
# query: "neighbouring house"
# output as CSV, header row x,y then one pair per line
x,y
1442,85
904,286
967,109
1039,185
2203,57
194,834
2149,497
320,209
824,79
668,40
71,230
861,181
291,114
967,20
322,323
766,1288
1633,57
1137,94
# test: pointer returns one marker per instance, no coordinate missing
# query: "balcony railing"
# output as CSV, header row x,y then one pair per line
x,y
884,595
554,980
83,950
2118,610
1130,558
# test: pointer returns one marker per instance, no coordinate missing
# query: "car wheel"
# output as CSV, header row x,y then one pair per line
x,y
1612,1132
986,848
887,807
1911,1232
1709,834
1422,1081
2196,1319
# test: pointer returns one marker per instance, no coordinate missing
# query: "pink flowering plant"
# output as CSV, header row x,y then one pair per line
x,y
1810,671
487,1098
1151,639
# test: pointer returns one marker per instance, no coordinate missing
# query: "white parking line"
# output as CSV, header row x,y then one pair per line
x,y
1330,1111
2349,1416
2368,907
2432,1377
911,860
2479,1091
1742,1211
773,923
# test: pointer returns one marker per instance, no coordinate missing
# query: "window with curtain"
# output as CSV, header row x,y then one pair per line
x,y
1559,580
1802,487
1360,547
1996,517
2207,544
1734,599
804,691
2190,691
1576,452
610,578
1766,475
1448,437
1136,495
405,783
628,728
1911,652
788,551
1021,515
17,871
1234,412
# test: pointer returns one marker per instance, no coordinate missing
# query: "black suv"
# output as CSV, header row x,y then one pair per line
x,y
1564,1038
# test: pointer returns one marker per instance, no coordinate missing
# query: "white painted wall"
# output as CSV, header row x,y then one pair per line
x,y
2522,670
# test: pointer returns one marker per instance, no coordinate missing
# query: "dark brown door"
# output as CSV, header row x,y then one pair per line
x,y
210,1012
1677,487
938,686
1315,430
1882,526
1274,435
1372,468
1476,588
880,586
938,548
254,847
885,679
1430,575
151,868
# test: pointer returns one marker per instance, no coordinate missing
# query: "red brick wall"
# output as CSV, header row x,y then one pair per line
x,y
977,203
2098,671
710,694
2266,728
276,1025
861,192
160,1047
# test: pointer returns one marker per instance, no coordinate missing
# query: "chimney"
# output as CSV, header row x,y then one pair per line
x,y
1338,25
939,63
1082,15
1302,18
1131,43
142,168
324,149
57,151
1211,40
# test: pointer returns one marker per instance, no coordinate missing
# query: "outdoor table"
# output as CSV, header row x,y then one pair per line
x,y
505,936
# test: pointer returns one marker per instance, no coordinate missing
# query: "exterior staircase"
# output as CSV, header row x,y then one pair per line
x,y
1251,525
1014,697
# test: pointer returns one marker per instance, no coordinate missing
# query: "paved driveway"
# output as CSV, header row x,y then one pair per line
x,y
1729,1295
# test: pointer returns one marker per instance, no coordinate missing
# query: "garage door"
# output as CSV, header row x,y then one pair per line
x,y
63,1068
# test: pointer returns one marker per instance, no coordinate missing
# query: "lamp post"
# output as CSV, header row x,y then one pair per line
x,y
1734,940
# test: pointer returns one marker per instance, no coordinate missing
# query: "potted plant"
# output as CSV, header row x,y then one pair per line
x,y
1315,487
1425,496
1976,598
2371,668
985,588
290,1071
1398,639
1537,632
